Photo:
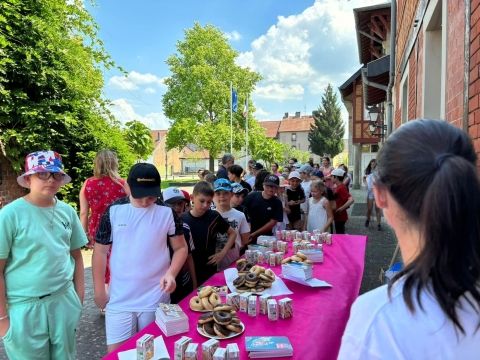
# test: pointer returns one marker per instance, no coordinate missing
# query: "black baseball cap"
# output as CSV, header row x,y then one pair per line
x,y
258,166
271,180
144,180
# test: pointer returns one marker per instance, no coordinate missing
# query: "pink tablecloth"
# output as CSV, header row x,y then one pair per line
x,y
320,314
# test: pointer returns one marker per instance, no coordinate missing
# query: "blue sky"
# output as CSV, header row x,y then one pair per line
x,y
297,45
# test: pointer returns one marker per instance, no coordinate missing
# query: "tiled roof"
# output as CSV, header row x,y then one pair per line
x,y
293,124
271,128
158,134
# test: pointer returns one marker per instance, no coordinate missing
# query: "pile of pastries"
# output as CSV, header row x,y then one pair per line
x,y
255,279
299,258
222,322
206,300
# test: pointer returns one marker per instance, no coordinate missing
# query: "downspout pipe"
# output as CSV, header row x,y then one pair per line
x,y
393,32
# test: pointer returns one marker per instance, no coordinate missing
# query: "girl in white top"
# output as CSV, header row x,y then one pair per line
x,y
428,187
320,214
282,195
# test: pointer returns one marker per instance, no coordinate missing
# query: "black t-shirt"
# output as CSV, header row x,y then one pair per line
x,y
204,231
261,210
295,195
244,210
246,185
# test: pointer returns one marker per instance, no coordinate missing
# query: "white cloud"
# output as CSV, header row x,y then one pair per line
x,y
277,91
124,111
233,35
260,113
302,53
150,90
135,80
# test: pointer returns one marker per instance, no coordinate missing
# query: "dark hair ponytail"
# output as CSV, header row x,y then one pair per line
x,y
429,168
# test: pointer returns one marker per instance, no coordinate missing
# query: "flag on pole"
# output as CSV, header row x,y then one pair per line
x,y
245,108
234,100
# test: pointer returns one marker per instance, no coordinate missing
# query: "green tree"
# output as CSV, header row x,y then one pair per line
x,y
139,139
261,147
300,155
51,63
198,92
326,133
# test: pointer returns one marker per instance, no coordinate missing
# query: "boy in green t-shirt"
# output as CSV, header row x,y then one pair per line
x,y
41,266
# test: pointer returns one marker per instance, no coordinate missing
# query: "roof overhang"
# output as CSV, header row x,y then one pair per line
x,y
375,77
347,87
372,25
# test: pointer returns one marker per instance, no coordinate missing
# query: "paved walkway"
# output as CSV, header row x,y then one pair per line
x,y
380,247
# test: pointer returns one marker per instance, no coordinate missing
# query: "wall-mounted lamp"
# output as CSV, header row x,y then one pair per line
x,y
376,125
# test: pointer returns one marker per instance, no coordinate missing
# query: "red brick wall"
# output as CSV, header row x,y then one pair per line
x,y
405,16
412,83
454,90
474,80
419,75
9,189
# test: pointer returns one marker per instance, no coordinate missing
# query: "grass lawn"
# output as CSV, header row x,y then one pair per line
x,y
180,181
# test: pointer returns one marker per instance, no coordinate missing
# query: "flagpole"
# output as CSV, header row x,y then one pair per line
x,y
246,135
231,118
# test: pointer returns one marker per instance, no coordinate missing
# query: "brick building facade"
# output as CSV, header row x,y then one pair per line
x,y
9,189
437,67
437,64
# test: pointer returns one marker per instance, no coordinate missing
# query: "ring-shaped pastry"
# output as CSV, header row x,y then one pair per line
x,y
269,272
236,328
206,304
223,307
206,317
214,299
266,278
206,291
222,317
196,304
239,281
256,270
208,328
221,331
251,277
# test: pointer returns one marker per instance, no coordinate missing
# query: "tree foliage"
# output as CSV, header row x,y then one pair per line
x,y
198,92
139,139
51,81
326,133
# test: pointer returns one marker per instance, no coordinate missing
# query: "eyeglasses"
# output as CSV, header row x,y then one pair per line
x,y
47,175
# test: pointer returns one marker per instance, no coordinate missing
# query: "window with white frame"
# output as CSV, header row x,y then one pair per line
x,y
404,96
434,66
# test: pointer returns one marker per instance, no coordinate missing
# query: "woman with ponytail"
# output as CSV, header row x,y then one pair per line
x,y
428,187
98,192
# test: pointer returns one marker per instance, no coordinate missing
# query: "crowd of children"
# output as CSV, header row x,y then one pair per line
x,y
159,246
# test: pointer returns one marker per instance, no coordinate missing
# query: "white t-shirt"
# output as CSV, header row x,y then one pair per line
x,y
250,181
239,223
317,214
306,189
380,328
140,255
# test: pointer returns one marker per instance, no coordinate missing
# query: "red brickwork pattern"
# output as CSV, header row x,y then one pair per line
x,y
455,58
412,83
474,80
420,69
9,189
405,15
